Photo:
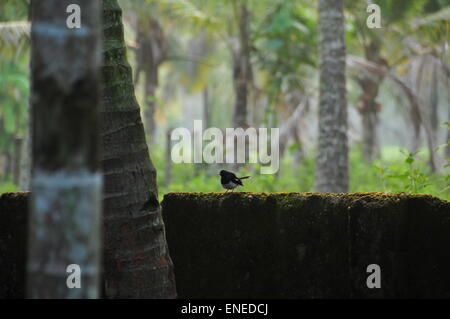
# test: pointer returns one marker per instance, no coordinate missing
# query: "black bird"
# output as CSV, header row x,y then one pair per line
x,y
230,181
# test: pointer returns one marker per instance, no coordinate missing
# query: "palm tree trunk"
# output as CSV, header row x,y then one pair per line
x,y
151,53
242,69
434,122
136,258
18,142
168,165
368,106
25,158
151,83
370,134
64,222
8,165
206,107
332,153
369,109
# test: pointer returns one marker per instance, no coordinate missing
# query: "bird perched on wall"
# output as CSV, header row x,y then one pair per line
x,y
230,181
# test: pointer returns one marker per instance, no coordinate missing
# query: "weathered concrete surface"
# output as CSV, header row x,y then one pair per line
x,y
310,245
13,239
284,245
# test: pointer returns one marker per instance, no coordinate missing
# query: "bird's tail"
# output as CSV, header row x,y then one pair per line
x,y
245,177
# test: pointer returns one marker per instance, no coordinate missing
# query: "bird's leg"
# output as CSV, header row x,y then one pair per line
x,y
226,191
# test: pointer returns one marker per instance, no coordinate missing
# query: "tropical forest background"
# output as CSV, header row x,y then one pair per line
x,y
191,59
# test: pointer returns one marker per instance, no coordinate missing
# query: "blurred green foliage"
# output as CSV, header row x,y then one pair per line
x,y
286,41
399,171
13,99
284,52
8,188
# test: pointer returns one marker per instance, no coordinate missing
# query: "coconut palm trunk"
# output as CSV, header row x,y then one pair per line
x,y
368,107
332,152
149,56
136,258
369,111
242,68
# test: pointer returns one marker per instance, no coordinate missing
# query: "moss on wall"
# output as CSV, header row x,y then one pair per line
x,y
309,245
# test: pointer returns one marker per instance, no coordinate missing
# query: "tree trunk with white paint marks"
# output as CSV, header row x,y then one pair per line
x,y
332,152
136,258
64,224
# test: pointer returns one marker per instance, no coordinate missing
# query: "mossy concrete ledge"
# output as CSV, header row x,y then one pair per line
x,y
308,245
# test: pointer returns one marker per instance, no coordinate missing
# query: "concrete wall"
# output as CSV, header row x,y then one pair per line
x,y
287,245
246,245
13,240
